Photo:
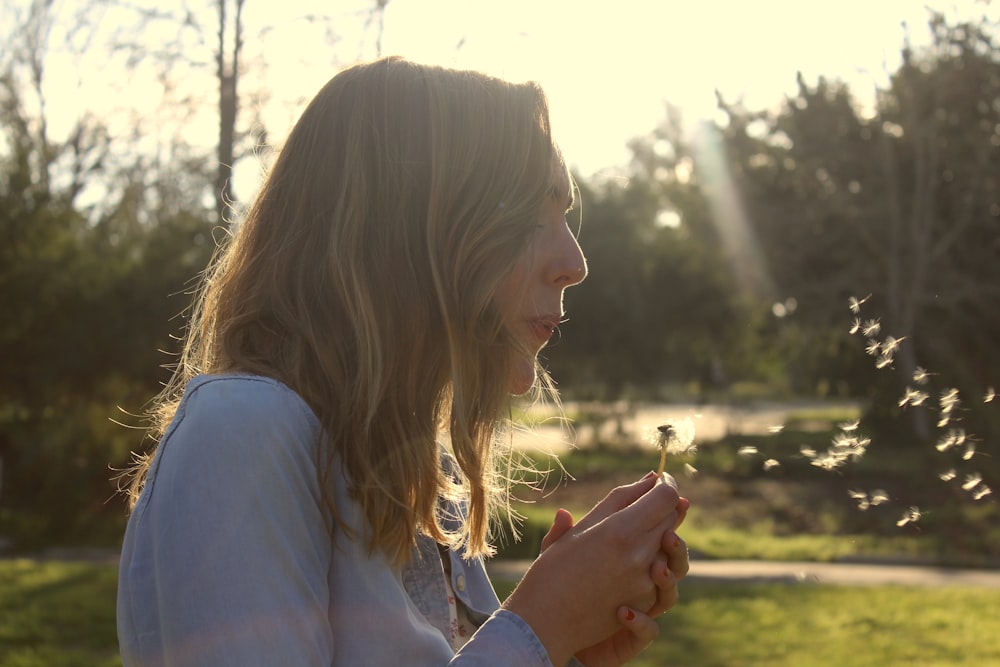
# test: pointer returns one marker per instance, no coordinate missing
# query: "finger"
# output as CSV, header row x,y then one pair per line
x,y
562,522
667,592
618,499
643,628
654,508
676,551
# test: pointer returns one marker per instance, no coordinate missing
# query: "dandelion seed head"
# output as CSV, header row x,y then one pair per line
x,y
676,437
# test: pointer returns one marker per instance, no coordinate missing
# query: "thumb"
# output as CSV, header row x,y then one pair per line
x,y
561,524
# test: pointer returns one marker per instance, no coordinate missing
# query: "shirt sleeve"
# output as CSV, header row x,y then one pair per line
x,y
236,551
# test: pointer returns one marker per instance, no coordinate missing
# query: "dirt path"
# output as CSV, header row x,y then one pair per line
x,y
855,574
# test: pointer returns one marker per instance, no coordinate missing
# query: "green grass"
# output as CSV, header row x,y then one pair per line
x,y
56,614
751,625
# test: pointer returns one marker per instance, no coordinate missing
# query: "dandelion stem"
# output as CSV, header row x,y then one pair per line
x,y
663,462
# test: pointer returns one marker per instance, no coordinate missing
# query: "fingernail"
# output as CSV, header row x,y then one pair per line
x,y
629,615
649,475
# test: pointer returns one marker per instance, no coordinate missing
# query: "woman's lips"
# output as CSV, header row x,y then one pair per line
x,y
543,328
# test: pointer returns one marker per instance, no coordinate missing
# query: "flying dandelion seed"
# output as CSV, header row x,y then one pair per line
x,y
689,470
948,475
921,376
777,428
990,395
911,515
850,426
807,452
981,492
949,400
855,326
855,303
861,498
913,397
771,463
970,451
971,481
870,328
747,450
879,497
891,344
883,361
873,347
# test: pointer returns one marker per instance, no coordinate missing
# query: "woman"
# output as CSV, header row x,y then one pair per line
x,y
329,454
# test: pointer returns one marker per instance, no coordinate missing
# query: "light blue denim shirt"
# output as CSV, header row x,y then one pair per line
x,y
227,559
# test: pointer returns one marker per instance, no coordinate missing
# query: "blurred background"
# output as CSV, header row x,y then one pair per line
x,y
745,170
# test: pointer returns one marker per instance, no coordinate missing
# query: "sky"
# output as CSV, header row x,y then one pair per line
x,y
609,68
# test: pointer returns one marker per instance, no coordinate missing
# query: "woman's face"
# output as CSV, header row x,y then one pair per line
x,y
530,297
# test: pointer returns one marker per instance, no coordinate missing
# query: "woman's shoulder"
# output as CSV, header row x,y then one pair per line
x,y
246,408
247,397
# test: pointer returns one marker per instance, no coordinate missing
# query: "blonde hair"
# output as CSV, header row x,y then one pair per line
x,y
363,278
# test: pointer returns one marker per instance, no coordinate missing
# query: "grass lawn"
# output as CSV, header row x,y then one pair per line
x,y
55,614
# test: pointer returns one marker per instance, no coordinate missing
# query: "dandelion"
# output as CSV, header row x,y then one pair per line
x,y
921,376
855,326
747,450
971,481
870,328
990,395
981,492
674,439
873,347
948,475
911,515
771,463
855,303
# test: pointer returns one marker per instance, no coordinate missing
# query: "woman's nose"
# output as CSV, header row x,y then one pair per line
x,y
568,265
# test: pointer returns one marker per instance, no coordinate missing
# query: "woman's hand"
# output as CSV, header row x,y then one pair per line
x,y
594,575
638,630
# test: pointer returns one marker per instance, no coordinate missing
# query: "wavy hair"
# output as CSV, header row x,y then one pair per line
x,y
363,277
